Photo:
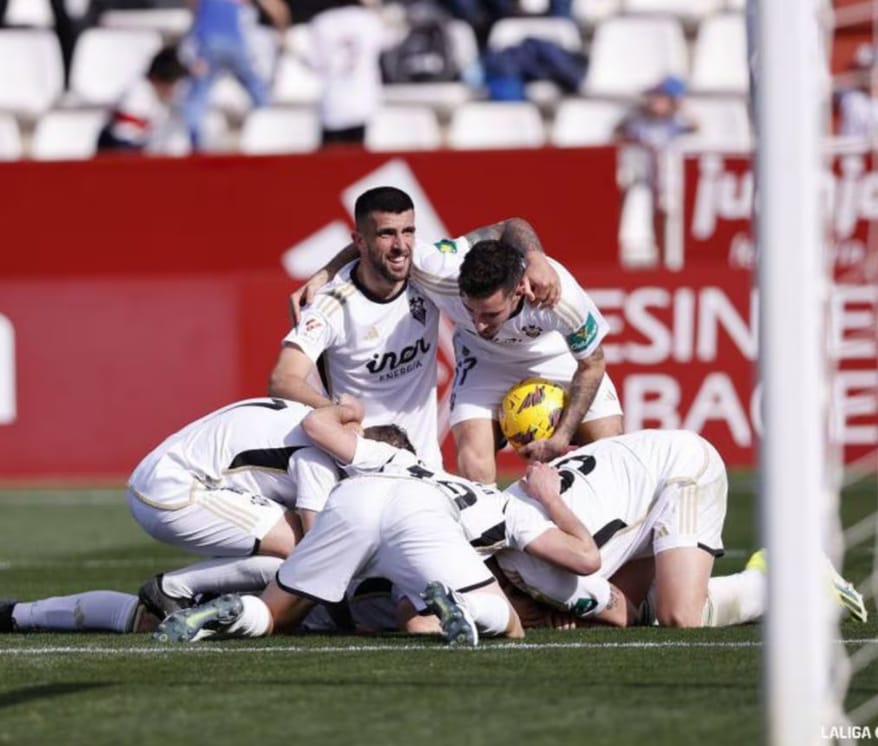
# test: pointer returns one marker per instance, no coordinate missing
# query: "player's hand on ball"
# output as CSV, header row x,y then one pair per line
x,y
544,450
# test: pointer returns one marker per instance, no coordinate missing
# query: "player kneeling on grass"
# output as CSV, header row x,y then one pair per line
x,y
653,495
402,529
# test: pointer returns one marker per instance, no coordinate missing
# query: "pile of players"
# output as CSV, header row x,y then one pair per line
x,y
325,505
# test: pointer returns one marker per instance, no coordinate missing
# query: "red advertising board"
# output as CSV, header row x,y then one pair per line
x,y
138,295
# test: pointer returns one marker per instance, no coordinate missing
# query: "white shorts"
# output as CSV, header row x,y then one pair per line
x,y
689,511
480,386
217,523
399,529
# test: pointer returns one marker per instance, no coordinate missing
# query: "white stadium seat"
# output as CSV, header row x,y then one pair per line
x,y
582,122
67,135
723,125
507,32
280,130
107,61
632,53
169,22
403,128
31,71
690,11
36,13
487,125
10,138
588,13
719,57
295,82
443,98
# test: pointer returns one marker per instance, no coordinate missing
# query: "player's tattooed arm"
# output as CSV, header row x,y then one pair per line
x,y
541,284
580,394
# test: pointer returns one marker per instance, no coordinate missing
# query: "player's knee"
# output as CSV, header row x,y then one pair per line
x,y
679,617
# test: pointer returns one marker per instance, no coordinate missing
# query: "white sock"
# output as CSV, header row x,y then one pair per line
x,y
221,575
96,611
490,612
734,599
255,620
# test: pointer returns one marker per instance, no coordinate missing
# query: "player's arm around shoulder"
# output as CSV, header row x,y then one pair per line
x,y
570,545
289,377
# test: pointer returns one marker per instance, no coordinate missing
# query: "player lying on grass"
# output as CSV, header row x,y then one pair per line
x,y
653,504
381,521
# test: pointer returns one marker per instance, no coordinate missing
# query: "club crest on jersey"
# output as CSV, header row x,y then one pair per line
x,y
446,246
584,336
417,309
532,330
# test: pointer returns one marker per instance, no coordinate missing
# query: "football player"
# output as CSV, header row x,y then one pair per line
x,y
375,333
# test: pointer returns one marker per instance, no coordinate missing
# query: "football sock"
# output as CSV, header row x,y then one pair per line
x,y
591,596
490,613
107,611
734,599
221,575
255,619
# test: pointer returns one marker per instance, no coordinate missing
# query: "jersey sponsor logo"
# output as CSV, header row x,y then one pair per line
x,y
393,365
417,309
446,246
532,330
584,336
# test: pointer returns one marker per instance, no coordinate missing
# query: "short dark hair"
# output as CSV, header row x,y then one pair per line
x,y
166,66
381,199
392,434
488,267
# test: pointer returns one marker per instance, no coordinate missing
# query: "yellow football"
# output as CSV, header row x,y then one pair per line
x,y
531,410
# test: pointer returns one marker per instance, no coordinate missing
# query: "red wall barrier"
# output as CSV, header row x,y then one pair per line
x,y
138,295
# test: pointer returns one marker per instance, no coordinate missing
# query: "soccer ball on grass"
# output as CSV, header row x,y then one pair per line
x,y
531,410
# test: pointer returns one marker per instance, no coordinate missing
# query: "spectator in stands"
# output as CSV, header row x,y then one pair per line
x,y
347,38
141,120
857,108
218,42
646,132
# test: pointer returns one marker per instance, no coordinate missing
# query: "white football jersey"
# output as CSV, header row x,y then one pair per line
x,y
478,507
382,352
255,446
611,485
573,327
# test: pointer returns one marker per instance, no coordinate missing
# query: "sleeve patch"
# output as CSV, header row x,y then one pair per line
x,y
446,246
311,329
584,336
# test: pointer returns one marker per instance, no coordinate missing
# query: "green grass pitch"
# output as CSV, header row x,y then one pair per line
x,y
592,687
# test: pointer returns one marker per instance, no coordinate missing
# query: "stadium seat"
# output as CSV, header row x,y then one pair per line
x,y
295,82
31,71
723,125
719,56
280,130
486,125
35,13
582,122
689,11
171,23
107,61
588,13
631,53
10,138
443,98
507,32
403,128
67,134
